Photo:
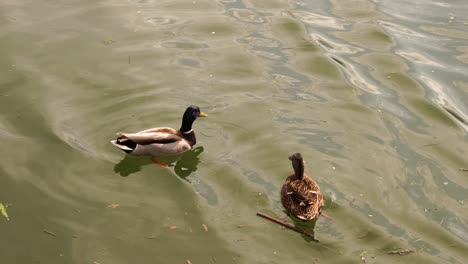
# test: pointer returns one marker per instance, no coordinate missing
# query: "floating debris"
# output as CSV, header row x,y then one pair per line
x,y
288,226
4,211
172,227
205,227
363,256
401,252
107,42
49,232
113,206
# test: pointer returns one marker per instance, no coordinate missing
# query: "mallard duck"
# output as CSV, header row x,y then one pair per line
x,y
161,141
300,195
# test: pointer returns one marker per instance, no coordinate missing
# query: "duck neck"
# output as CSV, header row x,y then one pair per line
x,y
190,137
186,126
298,166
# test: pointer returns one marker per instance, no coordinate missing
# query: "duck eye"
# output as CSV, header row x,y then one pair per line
x,y
195,113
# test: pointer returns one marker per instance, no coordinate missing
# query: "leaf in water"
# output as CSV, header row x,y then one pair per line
x,y
363,256
107,42
113,206
188,261
172,227
3,211
206,228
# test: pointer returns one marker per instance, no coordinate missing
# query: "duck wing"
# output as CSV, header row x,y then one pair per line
x,y
298,195
152,136
303,192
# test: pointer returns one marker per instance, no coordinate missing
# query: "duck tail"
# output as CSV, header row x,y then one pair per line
x,y
124,144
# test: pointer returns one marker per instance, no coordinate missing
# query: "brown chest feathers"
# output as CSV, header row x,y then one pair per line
x,y
302,197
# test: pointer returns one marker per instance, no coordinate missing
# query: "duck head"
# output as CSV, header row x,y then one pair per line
x,y
191,113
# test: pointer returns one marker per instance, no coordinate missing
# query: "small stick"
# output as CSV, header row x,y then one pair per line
x,y
401,252
326,216
288,226
463,169
48,232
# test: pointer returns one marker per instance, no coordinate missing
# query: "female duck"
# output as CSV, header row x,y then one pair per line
x,y
161,141
300,195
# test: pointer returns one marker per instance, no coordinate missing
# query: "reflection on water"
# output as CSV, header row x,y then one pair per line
x,y
374,92
306,226
188,163
183,164
131,164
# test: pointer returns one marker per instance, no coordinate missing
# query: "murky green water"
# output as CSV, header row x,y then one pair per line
x,y
373,94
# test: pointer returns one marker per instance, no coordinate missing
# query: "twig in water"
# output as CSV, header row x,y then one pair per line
x,y
362,236
463,169
288,226
327,217
401,252
442,221
49,233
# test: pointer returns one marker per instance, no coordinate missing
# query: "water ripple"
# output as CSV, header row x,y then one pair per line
x,y
418,58
319,20
334,46
246,15
160,21
184,45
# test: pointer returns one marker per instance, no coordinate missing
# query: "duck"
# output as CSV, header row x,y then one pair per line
x,y
161,141
300,195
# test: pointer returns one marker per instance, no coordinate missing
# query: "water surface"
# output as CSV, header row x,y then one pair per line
x,y
372,93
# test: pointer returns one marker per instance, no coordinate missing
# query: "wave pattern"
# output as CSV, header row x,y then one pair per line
x,y
372,93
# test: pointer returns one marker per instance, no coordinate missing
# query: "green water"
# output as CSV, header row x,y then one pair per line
x,y
372,93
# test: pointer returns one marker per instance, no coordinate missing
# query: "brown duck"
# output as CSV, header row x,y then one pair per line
x,y
300,195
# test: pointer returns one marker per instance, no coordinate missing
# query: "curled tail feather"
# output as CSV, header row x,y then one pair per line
x,y
124,144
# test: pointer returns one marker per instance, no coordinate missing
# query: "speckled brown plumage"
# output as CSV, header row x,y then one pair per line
x,y
300,195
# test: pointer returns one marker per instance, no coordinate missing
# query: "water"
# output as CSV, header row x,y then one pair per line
x,y
372,93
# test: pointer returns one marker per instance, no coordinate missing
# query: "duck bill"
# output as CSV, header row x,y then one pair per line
x,y
201,114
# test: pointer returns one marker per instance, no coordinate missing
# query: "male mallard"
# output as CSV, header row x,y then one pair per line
x,y
300,195
161,141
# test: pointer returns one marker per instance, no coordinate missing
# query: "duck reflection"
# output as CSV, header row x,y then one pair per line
x,y
306,226
183,164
